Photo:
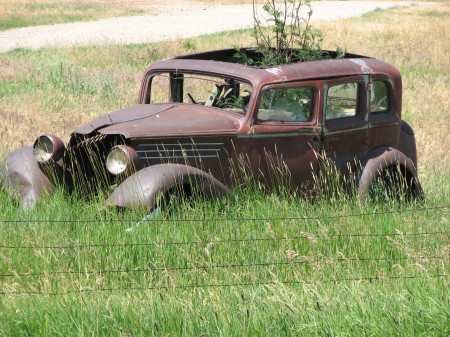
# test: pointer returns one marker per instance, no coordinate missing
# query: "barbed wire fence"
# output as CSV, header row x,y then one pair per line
x,y
213,285
287,238
390,260
226,220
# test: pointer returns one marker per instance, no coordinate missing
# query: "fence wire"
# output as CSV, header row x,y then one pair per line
x,y
230,219
223,285
226,266
309,236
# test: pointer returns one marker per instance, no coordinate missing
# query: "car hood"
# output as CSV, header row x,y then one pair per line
x,y
150,120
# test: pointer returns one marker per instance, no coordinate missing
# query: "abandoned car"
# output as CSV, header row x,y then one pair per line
x,y
201,118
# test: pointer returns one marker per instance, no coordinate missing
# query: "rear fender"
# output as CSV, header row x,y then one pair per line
x,y
22,176
380,159
407,143
142,189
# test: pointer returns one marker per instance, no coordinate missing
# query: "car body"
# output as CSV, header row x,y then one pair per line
x,y
207,121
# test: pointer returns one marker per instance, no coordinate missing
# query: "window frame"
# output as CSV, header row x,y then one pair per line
x,y
389,96
357,100
392,115
175,96
311,105
316,99
350,123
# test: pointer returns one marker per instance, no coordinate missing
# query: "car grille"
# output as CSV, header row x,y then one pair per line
x,y
85,161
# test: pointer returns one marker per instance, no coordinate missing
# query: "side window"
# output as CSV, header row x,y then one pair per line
x,y
342,100
286,105
379,97
159,89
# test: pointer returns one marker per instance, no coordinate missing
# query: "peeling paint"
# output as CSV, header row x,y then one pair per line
x,y
364,67
276,71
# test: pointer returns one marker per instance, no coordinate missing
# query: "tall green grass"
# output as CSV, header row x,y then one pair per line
x,y
213,267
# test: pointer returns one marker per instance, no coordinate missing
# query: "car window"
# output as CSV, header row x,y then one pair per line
x,y
342,100
286,105
224,93
379,97
220,92
160,88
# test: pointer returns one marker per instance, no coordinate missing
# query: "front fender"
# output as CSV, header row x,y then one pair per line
x,y
379,159
23,178
142,189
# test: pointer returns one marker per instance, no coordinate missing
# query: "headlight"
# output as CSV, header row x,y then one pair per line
x,y
121,158
48,147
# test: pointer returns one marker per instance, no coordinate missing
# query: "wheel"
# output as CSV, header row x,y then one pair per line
x,y
394,183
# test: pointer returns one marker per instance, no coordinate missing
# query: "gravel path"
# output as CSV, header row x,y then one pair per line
x,y
174,21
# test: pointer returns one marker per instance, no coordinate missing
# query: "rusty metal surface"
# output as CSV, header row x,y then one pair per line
x,y
384,157
146,120
211,154
21,175
407,142
143,189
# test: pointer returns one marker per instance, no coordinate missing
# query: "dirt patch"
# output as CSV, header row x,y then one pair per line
x,y
181,20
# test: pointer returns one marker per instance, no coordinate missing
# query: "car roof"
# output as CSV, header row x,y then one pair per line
x,y
223,62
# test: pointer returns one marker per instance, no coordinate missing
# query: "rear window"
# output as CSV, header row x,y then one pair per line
x,y
379,97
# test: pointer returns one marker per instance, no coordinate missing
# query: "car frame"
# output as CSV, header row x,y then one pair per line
x,y
344,111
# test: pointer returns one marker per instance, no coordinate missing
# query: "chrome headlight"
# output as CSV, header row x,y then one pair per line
x,y
48,147
121,158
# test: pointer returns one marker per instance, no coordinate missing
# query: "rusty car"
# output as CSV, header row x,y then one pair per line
x,y
200,115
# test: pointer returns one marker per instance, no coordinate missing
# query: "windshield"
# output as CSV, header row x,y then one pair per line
x,y
221,92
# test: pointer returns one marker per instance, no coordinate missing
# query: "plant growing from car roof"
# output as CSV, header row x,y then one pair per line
x,y
289,38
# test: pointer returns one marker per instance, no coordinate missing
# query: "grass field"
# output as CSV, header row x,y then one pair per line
x,y
22,13
68,269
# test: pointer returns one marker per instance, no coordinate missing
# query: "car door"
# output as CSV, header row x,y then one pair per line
x,y
345,121
285,134
383,113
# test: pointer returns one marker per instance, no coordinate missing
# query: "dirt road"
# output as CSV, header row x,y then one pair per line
x,y
172,22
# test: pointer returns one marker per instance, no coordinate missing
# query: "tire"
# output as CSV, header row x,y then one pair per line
x,y
388,174
395,183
